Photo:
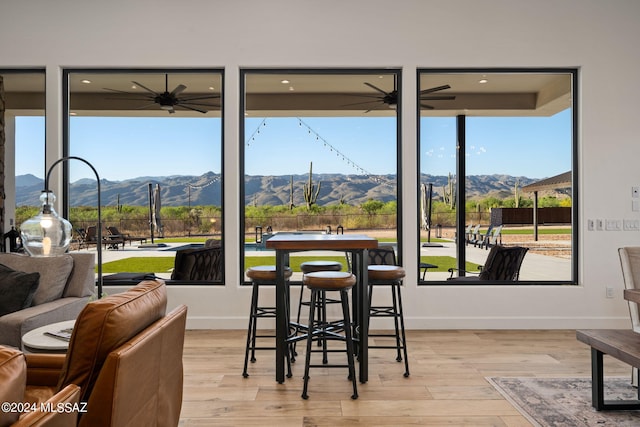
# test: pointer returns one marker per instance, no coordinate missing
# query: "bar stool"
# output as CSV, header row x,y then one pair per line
x,y
262,275
311,267
326,281
382,271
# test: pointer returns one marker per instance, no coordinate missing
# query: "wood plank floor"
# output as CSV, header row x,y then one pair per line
x,y
447,385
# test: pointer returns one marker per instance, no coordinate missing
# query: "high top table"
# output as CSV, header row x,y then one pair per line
x,y
356,244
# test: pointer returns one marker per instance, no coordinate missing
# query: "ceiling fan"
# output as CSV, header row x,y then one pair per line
x,y
390,99
169,101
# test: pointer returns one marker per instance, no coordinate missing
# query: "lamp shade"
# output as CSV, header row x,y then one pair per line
x,y
46,234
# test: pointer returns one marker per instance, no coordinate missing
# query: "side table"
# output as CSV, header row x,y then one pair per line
x,y
37,341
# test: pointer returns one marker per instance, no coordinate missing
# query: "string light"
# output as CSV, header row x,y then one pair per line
x,y
377,179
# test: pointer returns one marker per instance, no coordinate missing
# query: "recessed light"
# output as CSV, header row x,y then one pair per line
x,y
134,87
483,81
211,88
73,114
285,82
291,88
85,81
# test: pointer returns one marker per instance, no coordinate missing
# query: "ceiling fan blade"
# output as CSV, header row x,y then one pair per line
x,y
376,88
434,89
426,107
439,98
361,103
131,99
119,91
145,88
178,90
194,98
199,104
192,108
142,107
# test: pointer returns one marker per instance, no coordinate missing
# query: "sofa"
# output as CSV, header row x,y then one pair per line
x,y
55,289
125,355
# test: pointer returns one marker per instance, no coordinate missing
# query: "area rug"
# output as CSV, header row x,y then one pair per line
x,y
566,402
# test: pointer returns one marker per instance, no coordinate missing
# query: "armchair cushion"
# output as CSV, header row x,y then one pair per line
x,y
16,289
13,378
54,272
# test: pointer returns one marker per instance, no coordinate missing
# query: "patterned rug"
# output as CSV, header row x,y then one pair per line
x,y
566,402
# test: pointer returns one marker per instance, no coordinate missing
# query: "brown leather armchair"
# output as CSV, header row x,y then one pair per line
x,y
125,355
56,411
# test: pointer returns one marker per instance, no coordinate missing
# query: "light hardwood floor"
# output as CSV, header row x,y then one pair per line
x,y
447,385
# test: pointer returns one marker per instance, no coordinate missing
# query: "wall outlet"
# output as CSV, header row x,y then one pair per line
x,y
613,225
599,224
591,224
631,224
609,292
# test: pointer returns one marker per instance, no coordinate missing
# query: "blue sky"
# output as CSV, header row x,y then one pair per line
x,y
123,148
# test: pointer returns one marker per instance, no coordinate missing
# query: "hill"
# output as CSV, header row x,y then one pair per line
x,y
260,190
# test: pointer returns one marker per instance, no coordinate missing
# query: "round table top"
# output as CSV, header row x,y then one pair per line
x,y
39,340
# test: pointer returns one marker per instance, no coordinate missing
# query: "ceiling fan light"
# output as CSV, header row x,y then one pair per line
x,y
166,107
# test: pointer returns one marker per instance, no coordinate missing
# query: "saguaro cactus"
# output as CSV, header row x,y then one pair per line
x,y
448,193
291,204
310,191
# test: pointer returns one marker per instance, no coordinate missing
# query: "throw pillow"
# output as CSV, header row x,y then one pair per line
x,y
54,273
16,289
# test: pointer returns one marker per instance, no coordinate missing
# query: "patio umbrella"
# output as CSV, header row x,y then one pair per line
x,y
424,223
155,215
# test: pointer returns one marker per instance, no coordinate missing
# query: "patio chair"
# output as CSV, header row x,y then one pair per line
x,y
491,237
470,232
91,236
630,263
502,264
478,237
81,237
124,237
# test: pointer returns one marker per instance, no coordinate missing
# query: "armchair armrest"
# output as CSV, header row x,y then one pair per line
x,y
69,397
44,369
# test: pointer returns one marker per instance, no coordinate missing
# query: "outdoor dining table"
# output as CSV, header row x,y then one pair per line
x,y
356,244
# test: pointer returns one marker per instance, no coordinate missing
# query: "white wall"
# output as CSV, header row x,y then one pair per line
x,y
599,37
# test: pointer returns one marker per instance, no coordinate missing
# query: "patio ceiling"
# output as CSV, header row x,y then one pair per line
x,y
304,94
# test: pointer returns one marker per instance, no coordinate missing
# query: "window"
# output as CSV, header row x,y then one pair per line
x,y
144,131
497,161
320,155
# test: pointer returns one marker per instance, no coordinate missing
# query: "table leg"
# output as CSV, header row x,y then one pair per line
x,y
281,316
361,311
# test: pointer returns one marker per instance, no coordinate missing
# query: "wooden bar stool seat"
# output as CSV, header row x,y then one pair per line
x,y
329,281
261,275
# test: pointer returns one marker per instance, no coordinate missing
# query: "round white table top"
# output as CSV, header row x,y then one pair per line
x,y
39,340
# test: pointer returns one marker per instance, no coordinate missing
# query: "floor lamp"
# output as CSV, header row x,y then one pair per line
x,y
48,234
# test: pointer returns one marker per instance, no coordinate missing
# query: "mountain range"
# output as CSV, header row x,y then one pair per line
x,y
205,189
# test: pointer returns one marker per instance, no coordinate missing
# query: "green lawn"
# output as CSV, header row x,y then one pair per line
x,y
165,264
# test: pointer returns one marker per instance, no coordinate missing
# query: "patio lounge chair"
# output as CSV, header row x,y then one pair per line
x,y
115,234
470,232
491,238
502,264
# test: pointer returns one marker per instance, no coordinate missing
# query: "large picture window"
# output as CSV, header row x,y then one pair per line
x,y
497,166
320,155
22,136
155,137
